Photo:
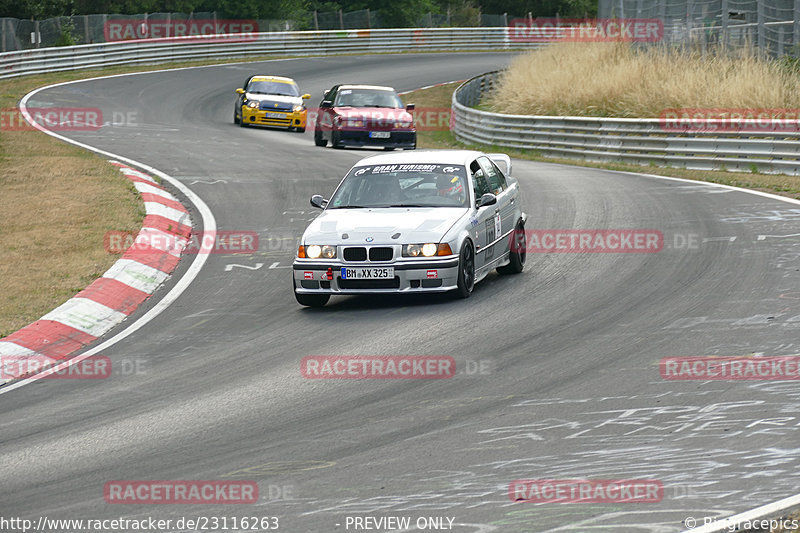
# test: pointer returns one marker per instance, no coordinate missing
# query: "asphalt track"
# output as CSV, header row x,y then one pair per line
x,y
570,385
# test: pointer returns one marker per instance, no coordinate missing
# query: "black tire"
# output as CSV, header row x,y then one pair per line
x,y
318,140
242,122
310,300
235,118
466,270
300,130
519,245
335,142
388,148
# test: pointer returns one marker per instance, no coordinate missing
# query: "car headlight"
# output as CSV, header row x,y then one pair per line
x,y
423,250
315,251
252,104
298,108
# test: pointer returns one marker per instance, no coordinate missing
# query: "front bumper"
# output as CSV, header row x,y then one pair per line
x,y
434,274
279,119
361,137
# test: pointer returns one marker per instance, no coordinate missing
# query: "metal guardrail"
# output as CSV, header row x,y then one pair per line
x,y
629,140
190,48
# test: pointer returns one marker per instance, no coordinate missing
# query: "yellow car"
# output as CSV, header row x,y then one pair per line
x,y
271,101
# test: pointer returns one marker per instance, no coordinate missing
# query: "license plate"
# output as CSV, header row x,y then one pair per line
x,y
380,134
276,115
368,273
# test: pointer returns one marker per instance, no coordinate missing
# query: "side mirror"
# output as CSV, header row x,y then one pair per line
x,y
239,91
410,107
487,199
326,103
318,201
306,96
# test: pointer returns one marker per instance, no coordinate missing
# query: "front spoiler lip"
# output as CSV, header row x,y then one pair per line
x,y
447,263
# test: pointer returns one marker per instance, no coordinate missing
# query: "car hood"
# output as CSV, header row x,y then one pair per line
x,y
406,225
294,100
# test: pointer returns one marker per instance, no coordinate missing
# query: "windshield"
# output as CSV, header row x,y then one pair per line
x,y
402,185
273,87
368,98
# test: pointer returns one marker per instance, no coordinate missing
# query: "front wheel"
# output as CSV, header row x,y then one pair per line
x,y
519,245
335,139
300,130
466,270
318,140
235,118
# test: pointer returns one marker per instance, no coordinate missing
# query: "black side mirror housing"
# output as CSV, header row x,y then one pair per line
x,y
326,103
318,201
410,107
487,199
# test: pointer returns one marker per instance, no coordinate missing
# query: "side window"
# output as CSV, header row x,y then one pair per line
x,y
479,179
497,182
331,93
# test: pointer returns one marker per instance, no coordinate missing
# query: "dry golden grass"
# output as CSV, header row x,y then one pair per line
x,y
618,80
439,97
57,202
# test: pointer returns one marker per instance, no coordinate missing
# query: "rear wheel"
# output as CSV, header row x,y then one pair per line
x,y
519,245
318,140
466,270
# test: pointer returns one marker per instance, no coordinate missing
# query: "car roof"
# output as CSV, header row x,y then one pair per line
x,y
272,78
374,87
443,157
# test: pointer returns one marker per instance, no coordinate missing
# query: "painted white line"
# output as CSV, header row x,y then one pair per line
x,y
275,264
85,315
209,226
134,172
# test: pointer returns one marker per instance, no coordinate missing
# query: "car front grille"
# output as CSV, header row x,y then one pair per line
x,y
380,254
275,106
355,254
376,254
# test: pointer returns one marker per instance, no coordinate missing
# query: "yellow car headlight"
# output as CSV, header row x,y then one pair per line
x,y
252,104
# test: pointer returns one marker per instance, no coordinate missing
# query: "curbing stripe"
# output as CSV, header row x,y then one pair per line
x,y
136,275
85,315
114,294
150,198
144,187
166,225
50,338
155,208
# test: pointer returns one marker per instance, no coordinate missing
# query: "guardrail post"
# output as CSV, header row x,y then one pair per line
x,y
37,37
341,20
724,37
316,21
796,28
761,29
86,29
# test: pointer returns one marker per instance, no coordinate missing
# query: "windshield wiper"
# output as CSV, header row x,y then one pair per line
x,y
349,207
410,205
